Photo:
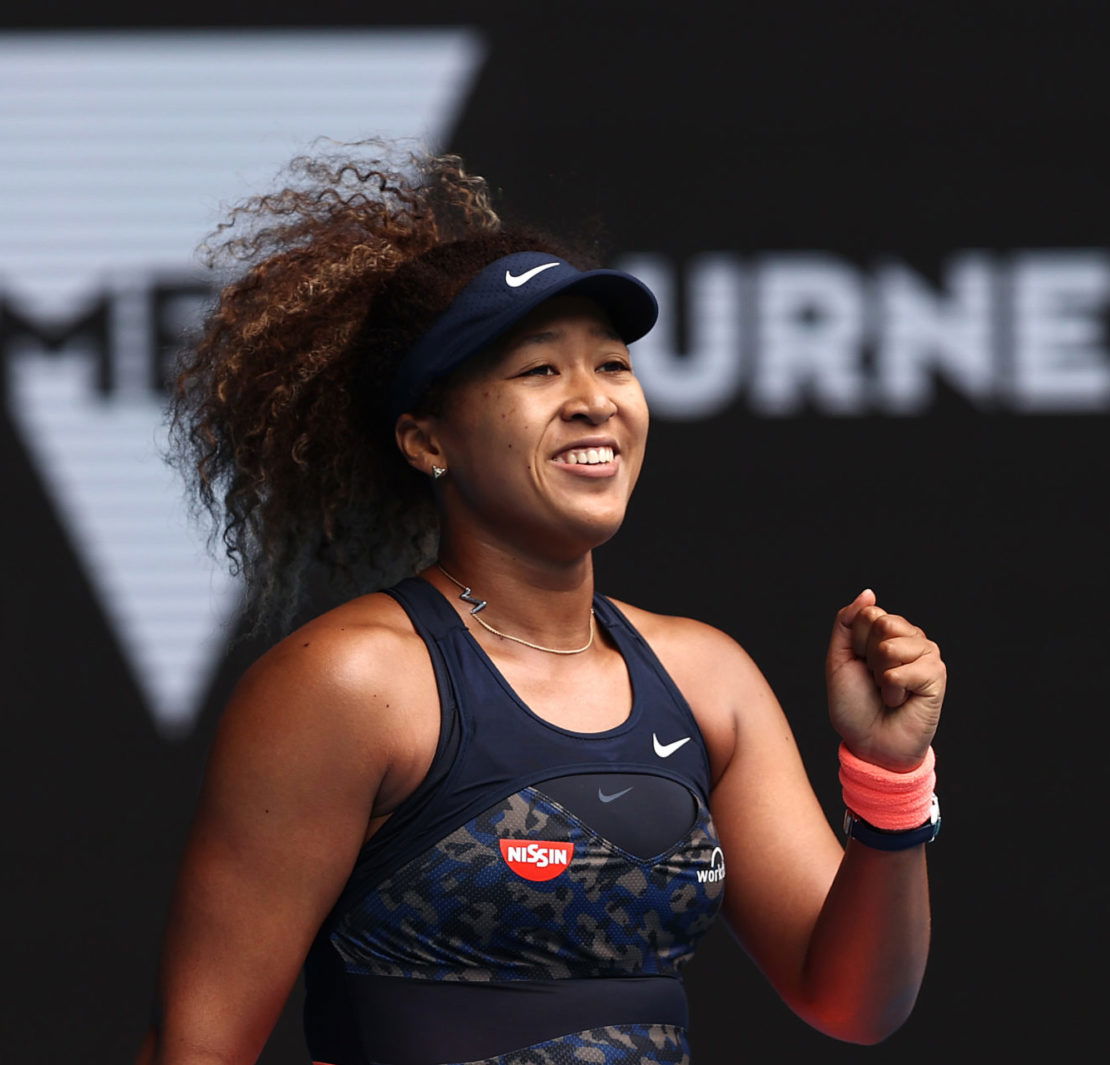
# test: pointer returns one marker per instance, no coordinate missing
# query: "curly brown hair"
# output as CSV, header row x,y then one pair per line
x,y
278,413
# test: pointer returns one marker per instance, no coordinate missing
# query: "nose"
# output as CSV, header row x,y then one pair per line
x,y
588,400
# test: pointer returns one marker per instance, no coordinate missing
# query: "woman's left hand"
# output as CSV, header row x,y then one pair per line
x,y
885,682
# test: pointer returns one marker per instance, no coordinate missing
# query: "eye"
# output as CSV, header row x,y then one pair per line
x,y
543,370
617,364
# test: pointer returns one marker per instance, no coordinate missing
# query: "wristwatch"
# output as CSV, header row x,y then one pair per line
x,y
897,839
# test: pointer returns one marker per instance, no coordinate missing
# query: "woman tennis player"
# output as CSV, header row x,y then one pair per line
x,y
488,811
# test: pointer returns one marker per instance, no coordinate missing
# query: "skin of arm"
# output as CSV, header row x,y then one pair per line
x,y
842,935
329,728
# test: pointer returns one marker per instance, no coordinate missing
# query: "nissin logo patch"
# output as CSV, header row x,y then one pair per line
x,y
537,859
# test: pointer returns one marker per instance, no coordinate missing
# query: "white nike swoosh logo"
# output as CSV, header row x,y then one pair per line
x,y
516,280
616,795
665,750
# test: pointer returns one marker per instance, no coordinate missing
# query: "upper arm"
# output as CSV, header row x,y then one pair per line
x,y
780,851
300,756
781,855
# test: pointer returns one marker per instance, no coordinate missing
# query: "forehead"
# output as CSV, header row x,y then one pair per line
x,y
559,312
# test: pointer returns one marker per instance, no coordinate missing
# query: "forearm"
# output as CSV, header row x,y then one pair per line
x,y
164,1049
868,950
154,1052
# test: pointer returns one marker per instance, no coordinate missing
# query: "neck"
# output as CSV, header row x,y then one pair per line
x,y
539,599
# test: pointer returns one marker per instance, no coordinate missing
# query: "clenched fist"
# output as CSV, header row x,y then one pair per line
x,y
886,682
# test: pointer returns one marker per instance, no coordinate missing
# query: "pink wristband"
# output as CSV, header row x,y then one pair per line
x,y
883,798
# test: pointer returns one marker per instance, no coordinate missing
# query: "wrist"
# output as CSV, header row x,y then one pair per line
x,y
889,810
874,758
885,839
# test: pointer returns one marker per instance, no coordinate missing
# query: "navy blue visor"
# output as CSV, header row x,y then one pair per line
x,y
502,294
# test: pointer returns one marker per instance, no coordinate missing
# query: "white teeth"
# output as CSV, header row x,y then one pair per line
x,y
588,456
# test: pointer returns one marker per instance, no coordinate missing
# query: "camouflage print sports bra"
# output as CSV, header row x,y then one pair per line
x,y
535,899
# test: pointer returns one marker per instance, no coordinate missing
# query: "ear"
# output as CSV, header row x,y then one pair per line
x,y
416,437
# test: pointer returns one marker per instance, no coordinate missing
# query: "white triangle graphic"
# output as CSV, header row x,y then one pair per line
x,y
167,600
116,154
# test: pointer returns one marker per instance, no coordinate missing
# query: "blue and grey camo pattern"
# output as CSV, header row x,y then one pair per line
x,y
624,1044
458,912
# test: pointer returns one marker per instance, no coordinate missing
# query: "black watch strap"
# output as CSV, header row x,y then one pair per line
x,y
886,840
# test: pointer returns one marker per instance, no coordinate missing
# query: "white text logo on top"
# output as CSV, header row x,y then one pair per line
x,y
716,871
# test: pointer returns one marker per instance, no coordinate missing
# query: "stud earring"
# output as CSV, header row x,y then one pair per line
x,y
438,472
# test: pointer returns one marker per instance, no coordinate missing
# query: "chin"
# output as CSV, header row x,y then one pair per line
x,y
576,536
598,531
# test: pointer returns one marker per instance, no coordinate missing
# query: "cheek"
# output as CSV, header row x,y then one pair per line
x,y
634,403
506,438
640,428
639,420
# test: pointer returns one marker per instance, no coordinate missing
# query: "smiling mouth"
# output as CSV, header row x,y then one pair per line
x,y
586,456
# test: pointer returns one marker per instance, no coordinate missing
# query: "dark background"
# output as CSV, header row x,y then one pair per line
x,y
861,130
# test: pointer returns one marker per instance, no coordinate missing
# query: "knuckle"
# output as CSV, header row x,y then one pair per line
x,y
890,676
863,619
884,626
886,653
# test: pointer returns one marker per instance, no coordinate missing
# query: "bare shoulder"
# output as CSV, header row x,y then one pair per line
x,y
352,688
351,650
726,690
689,648
310,754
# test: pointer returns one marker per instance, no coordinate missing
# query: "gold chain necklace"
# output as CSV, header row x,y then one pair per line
x,y
479,604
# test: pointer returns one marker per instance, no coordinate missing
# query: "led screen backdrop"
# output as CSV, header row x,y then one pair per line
x,y
880,241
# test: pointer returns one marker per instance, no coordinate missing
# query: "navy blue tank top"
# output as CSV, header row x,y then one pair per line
x,y
534,900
